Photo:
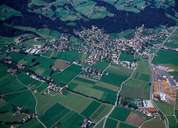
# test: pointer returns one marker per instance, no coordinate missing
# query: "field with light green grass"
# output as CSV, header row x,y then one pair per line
x,y
154,123
67,75
166,57
126,57
94,89
115,75
59,113
139,81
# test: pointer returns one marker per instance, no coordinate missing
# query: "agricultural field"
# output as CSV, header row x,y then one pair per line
x,y
170,56
67,75
124,117
39,65
6,40
157,123
31,124
126,57
115,75
70,56
60,113
101,65
95,89
138,81
166,108
60,65
111,123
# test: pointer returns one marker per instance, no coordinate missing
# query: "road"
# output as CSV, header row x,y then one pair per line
x,y
36,101
150,64
151,67
116,102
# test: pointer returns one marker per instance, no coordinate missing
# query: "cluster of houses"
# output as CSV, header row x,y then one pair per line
x,y
26,116
34,50
59,45
54,88
92,72
99,45
86,123
128,64
20,39
29,117
147,107
139,44
142,105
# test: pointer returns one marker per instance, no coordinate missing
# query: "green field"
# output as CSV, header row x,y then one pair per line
x,y
6,40
10,84
69,100
32,124
166,108
100,112
138,81
67,75
176,113
15,91
166,57
72,119
20,100
110,123
31,83
101,65
57,111
70,56
120,114
126,57
115,75
44,66
124,125
154,123
131,89
40,65
62,117
90,109
100,125
95,110
94,89
172,121
89,91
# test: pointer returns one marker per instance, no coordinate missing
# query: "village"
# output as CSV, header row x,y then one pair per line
x,y
99,46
